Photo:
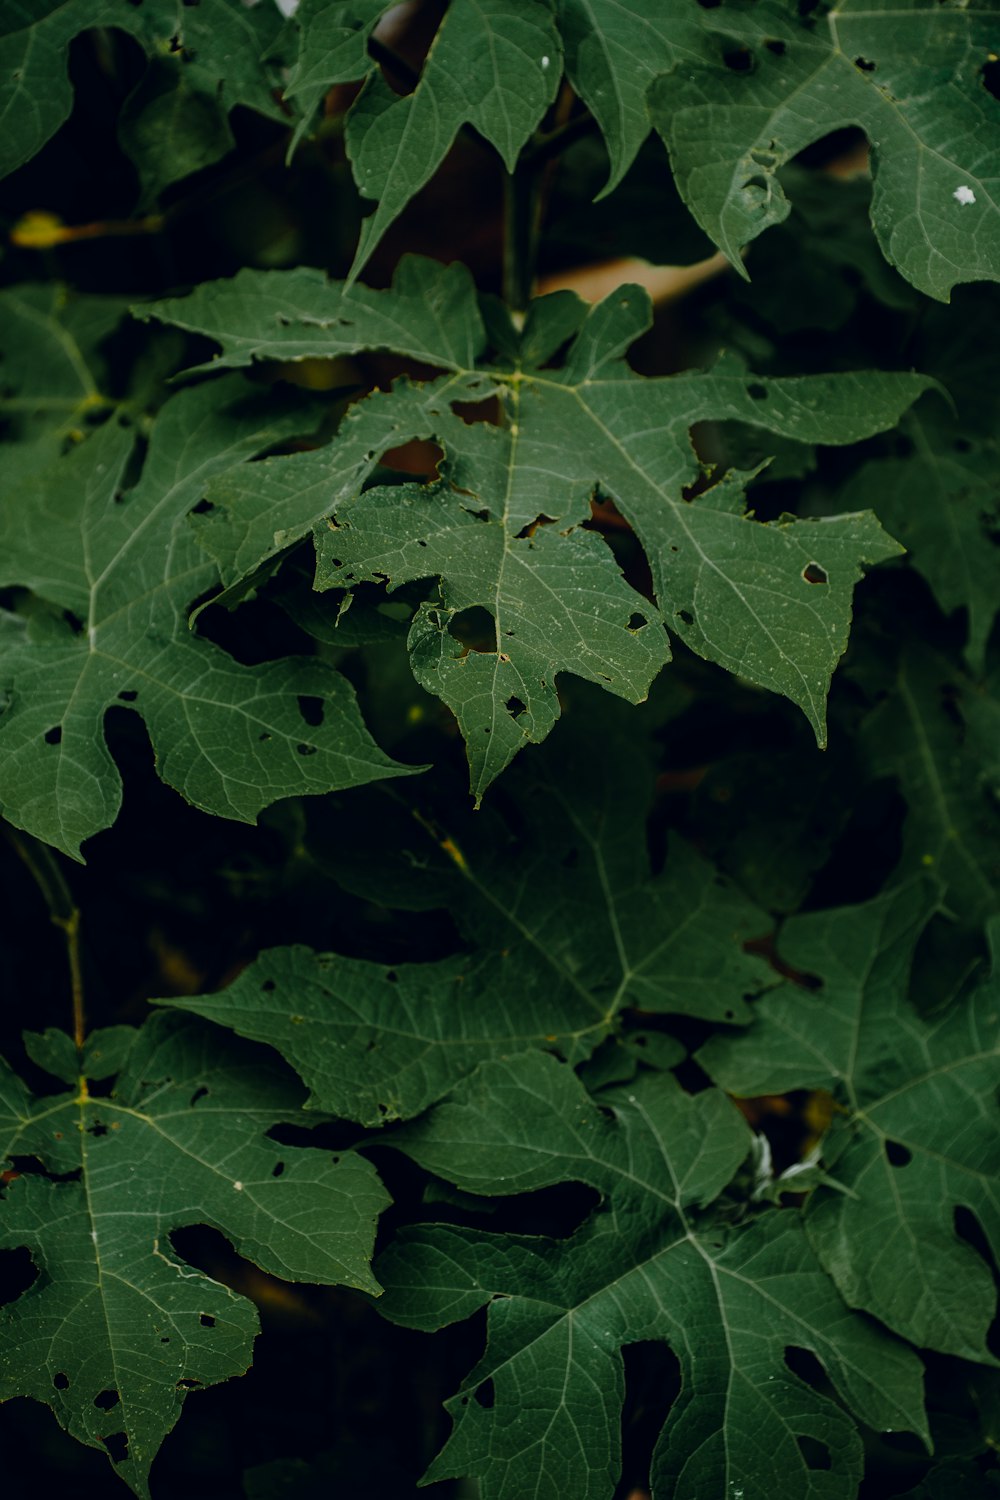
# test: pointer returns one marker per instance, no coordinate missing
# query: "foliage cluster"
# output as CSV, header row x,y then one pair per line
x,y
517,776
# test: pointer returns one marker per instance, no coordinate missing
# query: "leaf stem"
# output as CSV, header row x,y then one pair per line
x,y
63,912
520,235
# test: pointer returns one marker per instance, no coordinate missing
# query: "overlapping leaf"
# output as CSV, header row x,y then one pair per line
x,y
565,926
493,65
941,501
207,58
916,1136
112,570
55,376
502,530
909,72
920,734
117,1328
540,1413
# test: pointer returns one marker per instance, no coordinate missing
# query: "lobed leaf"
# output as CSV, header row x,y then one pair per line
x,y
113,568
205,59
541,1410
502,530
565,927
117,1328
908,72
915,1136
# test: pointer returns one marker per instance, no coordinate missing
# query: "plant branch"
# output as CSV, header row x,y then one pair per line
x,y
63,912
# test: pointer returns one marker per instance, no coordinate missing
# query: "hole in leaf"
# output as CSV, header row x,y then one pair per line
x,y
864,65
60,1380
391,977
475,628
778,48
268,986
652,1385
106,1400
203,508
990,73
897,1155
738,59
198,1094
685,616
263,737
514,706
188,1383
128,695
815,1453
206,1320
311,710
813,573
53,735
637,621
306,749
98,1128
277,1169
117,1446
804,1364
485,1394
757,392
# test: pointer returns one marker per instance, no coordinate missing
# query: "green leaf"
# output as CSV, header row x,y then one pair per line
x,y
430,313
541,1410
909,72
173,124
941,502
220,44
117,1328
565,928
916,1135
614,51
770,602
494,65
920,734
113,569
55,370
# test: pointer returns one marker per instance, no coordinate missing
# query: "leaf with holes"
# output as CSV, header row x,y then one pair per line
x,y
914,1135
542,1409
215,54
909,72
504,530
113,567
565,929
116,1328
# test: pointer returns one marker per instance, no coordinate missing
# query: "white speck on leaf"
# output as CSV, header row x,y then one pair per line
x,y
545,63
964,194
238,1186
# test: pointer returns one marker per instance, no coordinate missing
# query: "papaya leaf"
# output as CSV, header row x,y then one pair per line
x,y
212,54
502,529
915,1134
941,501
541,1410
920,734
116,1328
565,928
113,567
909,72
